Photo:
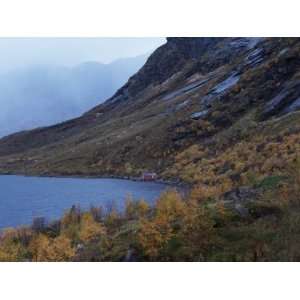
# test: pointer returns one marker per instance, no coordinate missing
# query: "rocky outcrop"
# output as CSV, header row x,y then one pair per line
x,y
163,63
239,199
287,100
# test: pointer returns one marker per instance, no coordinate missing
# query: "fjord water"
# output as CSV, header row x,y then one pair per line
x,y
23,198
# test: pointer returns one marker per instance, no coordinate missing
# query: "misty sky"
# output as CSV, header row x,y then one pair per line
x,y
44,81
20,52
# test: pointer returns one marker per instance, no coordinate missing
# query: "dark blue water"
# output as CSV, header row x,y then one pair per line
x,y
23,198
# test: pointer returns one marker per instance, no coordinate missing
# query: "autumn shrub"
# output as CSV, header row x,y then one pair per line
x,y
156,233
43,248
90,230
197,233
11,247
136,209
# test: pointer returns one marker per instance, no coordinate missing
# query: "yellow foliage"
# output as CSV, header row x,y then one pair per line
x,y
112,219
153,236
136,209
89,228
43,248
264,156
40,248
170,206
62,249
204,192
10,251
198,232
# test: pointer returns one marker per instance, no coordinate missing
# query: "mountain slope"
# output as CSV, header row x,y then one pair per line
x,y
44,95
196,106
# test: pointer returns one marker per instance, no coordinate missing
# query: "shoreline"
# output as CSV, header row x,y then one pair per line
x,y
181,188
176,184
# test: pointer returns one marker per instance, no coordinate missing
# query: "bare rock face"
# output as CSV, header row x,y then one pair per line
x,y
192,47
287,100
164,62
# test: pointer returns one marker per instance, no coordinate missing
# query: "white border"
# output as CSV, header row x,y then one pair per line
x,y
153,281
140,18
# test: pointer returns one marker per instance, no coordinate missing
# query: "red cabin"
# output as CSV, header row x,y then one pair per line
x,y
148,176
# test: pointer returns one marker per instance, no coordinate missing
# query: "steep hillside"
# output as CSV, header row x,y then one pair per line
x,y
202,110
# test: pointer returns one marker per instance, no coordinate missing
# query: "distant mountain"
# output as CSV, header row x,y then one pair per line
x,y
43,95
